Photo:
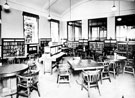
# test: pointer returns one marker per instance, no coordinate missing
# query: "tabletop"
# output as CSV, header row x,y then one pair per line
x,y
12,69
116,58
85,64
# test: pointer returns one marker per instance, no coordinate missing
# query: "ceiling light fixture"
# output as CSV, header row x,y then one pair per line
x,y
49,16
119,19
6,6
114,8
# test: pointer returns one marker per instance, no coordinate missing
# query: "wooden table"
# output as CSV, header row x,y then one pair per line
x,y
115,58
9,71
12,69
84,64
118,60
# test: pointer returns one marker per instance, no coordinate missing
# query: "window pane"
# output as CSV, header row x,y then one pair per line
x,y
54,31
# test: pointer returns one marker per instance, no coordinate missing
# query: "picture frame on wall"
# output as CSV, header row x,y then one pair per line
x,y
30,23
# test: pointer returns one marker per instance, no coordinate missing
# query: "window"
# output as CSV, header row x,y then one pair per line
x,y
54,30
125,28
97,29
74,30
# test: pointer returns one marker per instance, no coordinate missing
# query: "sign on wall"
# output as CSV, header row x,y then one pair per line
x,y
30,28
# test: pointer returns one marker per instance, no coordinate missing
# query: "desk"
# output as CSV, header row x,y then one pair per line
x,y
8,71
84,64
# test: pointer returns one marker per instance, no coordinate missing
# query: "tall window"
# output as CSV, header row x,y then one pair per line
x,y
125,29
0,28
74,30
54,30
97,29
30,27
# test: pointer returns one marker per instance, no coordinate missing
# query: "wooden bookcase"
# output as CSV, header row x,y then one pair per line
x,y
13,47
126,48
96,45
43,43
109,46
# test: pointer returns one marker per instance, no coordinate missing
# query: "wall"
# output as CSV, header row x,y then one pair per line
x,y
12,25
111,27
85,29
44,28
97,9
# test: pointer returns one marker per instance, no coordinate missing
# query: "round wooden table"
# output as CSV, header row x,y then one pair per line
x,y
10,71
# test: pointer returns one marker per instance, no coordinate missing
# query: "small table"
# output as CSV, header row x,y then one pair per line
x,y
11,70
118,59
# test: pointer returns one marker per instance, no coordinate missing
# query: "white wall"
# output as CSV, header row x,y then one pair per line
x,y
44,28
111,27
97,9
63,29
12,25
85,29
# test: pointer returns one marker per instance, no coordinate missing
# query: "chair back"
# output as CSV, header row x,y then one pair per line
x,y
24,81
35,76
91,76
63,68
106,66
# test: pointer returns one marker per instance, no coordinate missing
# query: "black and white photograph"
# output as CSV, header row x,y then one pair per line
x,y
67,48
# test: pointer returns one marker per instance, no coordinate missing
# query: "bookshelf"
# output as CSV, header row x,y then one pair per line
x,y
13,47
126,48
109,46
43,43
96,45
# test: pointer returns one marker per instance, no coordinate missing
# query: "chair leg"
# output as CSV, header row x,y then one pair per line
x,y
98,90
17,95
133,72
101,77
28,89
38,90
88,90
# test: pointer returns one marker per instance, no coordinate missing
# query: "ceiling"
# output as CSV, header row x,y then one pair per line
x,y
56,6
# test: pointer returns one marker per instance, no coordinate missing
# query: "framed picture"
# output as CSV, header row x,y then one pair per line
x,y
30,28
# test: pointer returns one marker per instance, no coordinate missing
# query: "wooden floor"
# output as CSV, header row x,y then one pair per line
x,y
121,87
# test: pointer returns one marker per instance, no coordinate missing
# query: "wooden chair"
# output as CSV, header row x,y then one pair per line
x,y
26,83
129,67
113,68
11,60
105,74
63,74
90,79
32,65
